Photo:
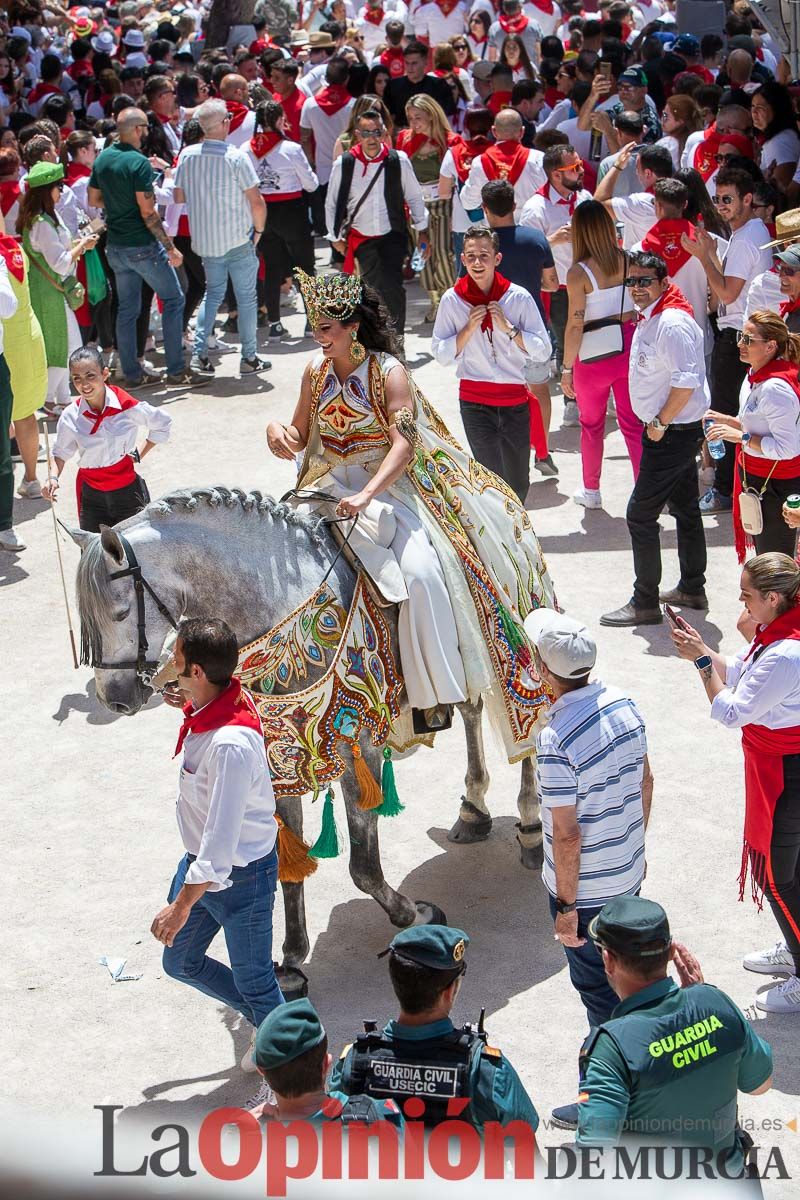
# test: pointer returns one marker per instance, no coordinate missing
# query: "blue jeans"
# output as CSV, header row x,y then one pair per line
x,y
241,264
131,265
244,913
586,970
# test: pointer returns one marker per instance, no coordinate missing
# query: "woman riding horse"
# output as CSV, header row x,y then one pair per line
x,y
436,532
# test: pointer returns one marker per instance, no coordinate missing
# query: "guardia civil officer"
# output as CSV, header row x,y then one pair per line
x,y
667,1065
423,1053
291,1054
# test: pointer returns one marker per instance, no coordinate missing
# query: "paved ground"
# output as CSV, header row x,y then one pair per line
x,y
91,843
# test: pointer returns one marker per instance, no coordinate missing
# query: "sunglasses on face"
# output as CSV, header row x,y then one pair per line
x,y
460,46
721,159
783,269
371,133
719,200
640,281
747,339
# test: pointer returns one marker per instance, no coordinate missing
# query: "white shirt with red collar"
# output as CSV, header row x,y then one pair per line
x,y
491,356
530,180
548,211
104,443
373,31
437,22
668,351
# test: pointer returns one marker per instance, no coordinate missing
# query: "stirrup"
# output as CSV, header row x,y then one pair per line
x,y
432,720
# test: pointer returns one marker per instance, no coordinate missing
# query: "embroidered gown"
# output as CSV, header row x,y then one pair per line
x,y
447,541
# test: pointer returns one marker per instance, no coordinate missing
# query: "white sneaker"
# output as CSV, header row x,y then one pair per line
x,y
264,1095
10,541
775,961
570,418
783,998
215,345
31,489
247,1063
588,498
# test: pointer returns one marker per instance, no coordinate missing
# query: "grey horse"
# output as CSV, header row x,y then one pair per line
x,y
252,560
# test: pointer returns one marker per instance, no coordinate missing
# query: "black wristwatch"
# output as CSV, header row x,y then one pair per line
x,y
562,908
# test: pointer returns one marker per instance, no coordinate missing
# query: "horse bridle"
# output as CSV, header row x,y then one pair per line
x,y
144,667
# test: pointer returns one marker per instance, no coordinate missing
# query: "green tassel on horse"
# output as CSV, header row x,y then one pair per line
x,y
512,630
391,806
328,844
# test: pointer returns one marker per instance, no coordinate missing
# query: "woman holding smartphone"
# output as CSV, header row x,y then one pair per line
x,y
758,691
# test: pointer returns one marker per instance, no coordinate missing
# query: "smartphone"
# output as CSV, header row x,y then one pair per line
x,y
636,150
97,225
672,616
605,70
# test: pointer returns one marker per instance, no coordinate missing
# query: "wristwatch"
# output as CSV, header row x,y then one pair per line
x,y
746,437
702,662
657,424
562,908
512,333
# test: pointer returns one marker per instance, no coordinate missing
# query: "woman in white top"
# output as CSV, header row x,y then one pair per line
x,y
776,127
680,118
596,293
758,692
478,28
285,180
766,432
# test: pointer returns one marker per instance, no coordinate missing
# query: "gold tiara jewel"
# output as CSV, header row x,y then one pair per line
x,y
334,296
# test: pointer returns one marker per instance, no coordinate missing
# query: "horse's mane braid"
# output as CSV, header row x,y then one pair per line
x,y
187,500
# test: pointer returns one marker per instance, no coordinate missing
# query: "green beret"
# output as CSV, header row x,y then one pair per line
x,y
44,173
627,924
288,1031
440,947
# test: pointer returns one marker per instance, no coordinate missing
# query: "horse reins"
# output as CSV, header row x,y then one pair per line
x,y
329,498
143,666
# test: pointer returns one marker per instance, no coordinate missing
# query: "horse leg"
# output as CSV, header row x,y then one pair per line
x,y
295,948
474,823
365,855
529,826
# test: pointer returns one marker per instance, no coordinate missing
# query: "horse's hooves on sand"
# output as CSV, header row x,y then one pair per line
x,y
531,857
464,832
429,914
292,982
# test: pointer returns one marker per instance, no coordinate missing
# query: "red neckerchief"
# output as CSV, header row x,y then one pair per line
x,y
664,239
545,6
231,707
9,195
42,89
505,160
373,15
410,142
498,100
125,402
789,306
699,70
468,291
544,190
704,160
446,6
465,152
262,143
394,61
777,368
673,297
75,171
552,96
11,252
359,155
764,751
237,113
513,24
332,98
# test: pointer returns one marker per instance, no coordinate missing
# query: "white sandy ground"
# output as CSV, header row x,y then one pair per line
x,y
90,841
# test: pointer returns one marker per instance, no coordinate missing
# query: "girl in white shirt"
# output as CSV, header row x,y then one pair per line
x,y
776,128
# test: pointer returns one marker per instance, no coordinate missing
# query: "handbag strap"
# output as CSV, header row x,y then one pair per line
x,y
32,255
362,198
766,481
624,277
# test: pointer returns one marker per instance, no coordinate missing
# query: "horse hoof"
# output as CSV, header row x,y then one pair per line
x,y
429,914
464,832
531,857
292,982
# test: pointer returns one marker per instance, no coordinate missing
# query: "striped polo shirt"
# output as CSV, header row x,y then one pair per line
x,y
591,754
214,176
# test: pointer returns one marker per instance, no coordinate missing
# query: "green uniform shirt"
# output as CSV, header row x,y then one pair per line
x,y
496,1090
119,172
667,1066
388,1112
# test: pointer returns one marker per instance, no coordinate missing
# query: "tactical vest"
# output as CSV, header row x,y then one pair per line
x,y
436,1070
683,1065
392,192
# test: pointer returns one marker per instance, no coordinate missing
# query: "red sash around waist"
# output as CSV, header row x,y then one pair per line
x,y
106,479
499,395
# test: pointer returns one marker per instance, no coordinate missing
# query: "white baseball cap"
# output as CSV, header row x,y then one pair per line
x,y
564,645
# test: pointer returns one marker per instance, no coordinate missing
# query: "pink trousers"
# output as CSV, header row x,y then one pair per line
x,y
592,382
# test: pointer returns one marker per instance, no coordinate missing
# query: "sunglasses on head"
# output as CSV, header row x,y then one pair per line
x,y
635,281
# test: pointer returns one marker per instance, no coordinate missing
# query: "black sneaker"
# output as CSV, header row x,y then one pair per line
x,y
277,329
263,319
202,365
565,1116
231,325
250,366
546,466
187,378
146,381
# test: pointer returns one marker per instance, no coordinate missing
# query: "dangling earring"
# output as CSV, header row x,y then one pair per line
x,y
357,351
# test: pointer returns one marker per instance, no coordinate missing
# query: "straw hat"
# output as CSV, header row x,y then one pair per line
x,y
787,227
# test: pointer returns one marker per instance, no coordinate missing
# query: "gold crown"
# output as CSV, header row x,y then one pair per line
x,y
333,296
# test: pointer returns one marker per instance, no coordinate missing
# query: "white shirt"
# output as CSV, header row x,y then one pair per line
x,y
226,805
689,147
430,23
580,139
283,170
548,213
8,301
761,692
673,145
238,137
54,243
784,147
770,410
637,213
668,351
498,360
531,36
115,437
743,259
326,130
691,279
460,222
373,216
558,113
530,180
214,177
764,292
374,35
313,79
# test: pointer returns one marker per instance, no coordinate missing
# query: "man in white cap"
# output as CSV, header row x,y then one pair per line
x,y
595,788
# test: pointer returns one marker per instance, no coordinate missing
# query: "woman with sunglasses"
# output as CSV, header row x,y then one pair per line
x,y
463,53
680,117
775,123
354,40
53,257
766,433
477,37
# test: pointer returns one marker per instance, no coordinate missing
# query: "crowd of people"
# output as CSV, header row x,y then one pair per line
x,y
599,207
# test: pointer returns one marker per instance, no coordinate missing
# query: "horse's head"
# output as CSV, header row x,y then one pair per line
x,y
113,640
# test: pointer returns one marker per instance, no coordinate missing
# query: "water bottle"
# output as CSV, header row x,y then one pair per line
x,y
418,258
715,449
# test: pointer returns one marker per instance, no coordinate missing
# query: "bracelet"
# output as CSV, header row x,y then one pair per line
x,y
566,370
